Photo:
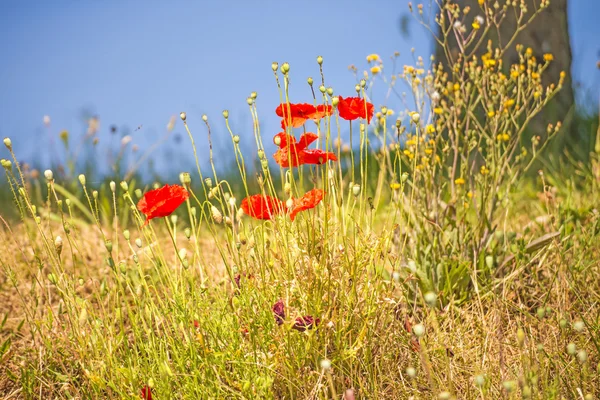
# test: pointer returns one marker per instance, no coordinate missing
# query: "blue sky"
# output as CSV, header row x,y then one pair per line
x,y
137,63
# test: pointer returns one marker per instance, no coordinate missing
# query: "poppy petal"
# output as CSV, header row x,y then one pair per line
x,y
262,207
352,108
305,140
310,200
162,202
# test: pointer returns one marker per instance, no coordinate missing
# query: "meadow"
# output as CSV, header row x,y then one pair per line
x,y
440,251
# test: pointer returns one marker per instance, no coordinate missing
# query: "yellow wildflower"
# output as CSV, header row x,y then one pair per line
x,y
373,57
491,113
389,112
548,57
481,2
509,103
375,69
475,25
535,75
529,51
514,74
459,181
536,94
430,129
470,194
456,87
484,170
395,186
438,110
428,151
378,114
503,137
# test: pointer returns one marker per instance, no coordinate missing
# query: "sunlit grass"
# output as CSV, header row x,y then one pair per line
x,y
405,256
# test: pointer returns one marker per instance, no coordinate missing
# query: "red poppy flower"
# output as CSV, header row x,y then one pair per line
x,y
352,108
306,322
295,154
147,393
262,207
306,202
295,115
321,111
162,202
279,312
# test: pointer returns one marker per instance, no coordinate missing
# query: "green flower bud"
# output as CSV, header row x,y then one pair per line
x,y
225,114
319,60
8,143
419,330
82,179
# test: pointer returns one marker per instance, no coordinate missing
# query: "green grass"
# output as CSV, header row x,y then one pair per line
x,y
436,266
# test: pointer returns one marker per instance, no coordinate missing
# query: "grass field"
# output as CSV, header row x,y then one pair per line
x,y
408,254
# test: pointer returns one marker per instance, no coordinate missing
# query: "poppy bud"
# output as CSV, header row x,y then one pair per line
x,y
357,88
183,254
289,203
253,95
126,234
319,60
82,179
274,66
335,101
239,214
310,81
228,221
138,242
109,245
185,178
95,194
265,164
124,185
225,114
49,175
356,189
322,89
113,186
430,298
8,143
174,219
249,101
419,330
363,83
58,244
216,214
6,164
187,232
183,116
138,193
415,117
287,188
208,182
204,117
285,67
330,91
236,139
404,177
